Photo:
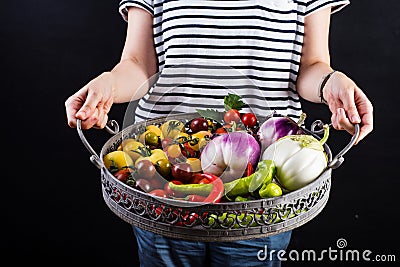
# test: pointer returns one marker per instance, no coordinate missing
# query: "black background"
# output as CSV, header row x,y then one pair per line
x,y
52,207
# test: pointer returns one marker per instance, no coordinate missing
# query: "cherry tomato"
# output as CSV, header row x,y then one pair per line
x,y
146,169
182,172
249,119
195,163
189,152
163,167
232,115
158,193
221,130
199,140
198,124
166,142
157,181
144,185
229,128
151,139
174,151
124,174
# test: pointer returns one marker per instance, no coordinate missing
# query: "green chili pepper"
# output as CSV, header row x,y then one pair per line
x,y
192,189
265,172
238,187
263,175
212,191
241,199
270,190
248,219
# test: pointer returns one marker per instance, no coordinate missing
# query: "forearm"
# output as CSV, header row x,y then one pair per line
x,y
138,60
310,78
130,80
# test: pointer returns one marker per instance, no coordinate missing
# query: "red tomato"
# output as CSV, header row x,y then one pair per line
x,y
189,152
157,181
221,130
249,119
182,172
166,142
144,185
146,169
198,124
232,115
123,174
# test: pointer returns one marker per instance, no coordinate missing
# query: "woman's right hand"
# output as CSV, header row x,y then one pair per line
x,y
91,103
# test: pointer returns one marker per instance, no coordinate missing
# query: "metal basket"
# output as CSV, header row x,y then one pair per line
x,y
211,222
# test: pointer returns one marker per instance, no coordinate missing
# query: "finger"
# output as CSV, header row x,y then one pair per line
x,y
100,121
367,126
89,107
105,108
350,106
107,105
334,121
343,121
91,121
105,120
72,105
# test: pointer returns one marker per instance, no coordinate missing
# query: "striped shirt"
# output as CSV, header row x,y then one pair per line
x,y
209,48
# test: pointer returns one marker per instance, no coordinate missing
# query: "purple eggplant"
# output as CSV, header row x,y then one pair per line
x,y
278,126
228,155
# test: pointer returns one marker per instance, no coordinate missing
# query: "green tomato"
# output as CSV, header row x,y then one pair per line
x,y
163,166
151,139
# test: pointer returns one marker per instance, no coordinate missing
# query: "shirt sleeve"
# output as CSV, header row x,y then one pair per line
x,y
315,5
146,5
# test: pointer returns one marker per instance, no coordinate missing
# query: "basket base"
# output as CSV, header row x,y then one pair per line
x,y
199,233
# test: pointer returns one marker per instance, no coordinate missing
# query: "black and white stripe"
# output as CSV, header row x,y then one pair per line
x,y
207,48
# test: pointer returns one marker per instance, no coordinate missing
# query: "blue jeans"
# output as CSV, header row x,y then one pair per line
x,y
157,250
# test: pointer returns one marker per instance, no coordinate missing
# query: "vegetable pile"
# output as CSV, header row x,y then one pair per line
x,y
220,156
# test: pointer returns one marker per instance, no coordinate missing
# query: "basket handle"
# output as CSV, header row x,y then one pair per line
x,y
338,159
112,127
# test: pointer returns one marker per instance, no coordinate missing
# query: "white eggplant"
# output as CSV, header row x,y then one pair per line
x,y
299,159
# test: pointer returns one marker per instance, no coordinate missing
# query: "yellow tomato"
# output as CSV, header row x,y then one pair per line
x,y
202,139
172,128
182,137
132,147
174,151
117,160
195,163
155,155
156,130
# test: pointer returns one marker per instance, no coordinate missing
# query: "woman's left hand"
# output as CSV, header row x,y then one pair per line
x,y
348,104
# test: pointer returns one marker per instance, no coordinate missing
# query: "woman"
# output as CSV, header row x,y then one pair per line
x,y
272,53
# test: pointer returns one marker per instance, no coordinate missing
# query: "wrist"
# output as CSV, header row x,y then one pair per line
x,y
323,85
